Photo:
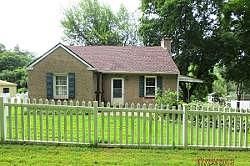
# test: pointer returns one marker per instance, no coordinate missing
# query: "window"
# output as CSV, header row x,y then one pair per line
x,y
6,90
60,86
117,88
150,86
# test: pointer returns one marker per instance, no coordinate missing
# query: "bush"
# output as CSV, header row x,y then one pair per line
x,y
168,97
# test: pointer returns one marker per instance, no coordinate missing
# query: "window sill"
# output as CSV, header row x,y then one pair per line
x,y
149,97
61,98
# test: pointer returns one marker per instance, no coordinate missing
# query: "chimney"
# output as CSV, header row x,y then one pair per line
x,y
166,44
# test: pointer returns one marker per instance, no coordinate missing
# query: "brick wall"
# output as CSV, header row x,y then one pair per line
x,y
59,61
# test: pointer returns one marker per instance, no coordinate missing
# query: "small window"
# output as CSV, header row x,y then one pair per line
x,y
150,86
6,90
117,88
61,87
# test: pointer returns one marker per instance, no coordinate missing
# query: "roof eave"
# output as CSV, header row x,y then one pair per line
x,y
137,72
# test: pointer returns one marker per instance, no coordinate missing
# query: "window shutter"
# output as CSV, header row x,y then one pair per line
x,y
49,85
159,82
71,85
141,86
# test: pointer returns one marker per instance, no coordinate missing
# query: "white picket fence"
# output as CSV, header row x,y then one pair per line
x,y
244,104
134,125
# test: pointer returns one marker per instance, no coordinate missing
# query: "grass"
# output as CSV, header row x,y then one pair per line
x,y
60,155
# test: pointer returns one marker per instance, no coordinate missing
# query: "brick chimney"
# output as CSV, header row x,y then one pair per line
x,y
166,44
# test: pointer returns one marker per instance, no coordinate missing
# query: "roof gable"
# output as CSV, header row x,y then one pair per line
x,y
59,45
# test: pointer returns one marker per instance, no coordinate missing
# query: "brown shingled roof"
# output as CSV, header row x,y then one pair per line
x,y
127,59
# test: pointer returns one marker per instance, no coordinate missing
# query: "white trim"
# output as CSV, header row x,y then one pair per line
x,y
145,77
122,89
54,85
30,67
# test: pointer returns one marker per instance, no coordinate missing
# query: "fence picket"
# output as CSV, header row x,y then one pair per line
x,y
219,131
89,122
34,120
162,126
246,132
235,131
102,126
10,121
108,106
229,130
240,130
22,121
41,120
208,128
150,124
202,128
224,129
120,130
213,130
53,121
114,118
16,120
132,123
126,119
156,126
138,124
197,127
28,121
167,128
179,126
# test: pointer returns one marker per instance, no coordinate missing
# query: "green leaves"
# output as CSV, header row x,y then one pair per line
x,y
193,26
91,23
12,66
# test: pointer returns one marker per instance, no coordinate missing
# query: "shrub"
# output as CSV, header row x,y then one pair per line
x,y
168,97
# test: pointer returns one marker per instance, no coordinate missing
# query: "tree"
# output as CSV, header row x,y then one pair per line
x,y
13,66
91,23
193,26
236,45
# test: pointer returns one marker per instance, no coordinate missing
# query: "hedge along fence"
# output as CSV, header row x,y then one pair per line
x,y
43,121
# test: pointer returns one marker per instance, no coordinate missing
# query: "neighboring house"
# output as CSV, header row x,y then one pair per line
x,y
117,74
7,88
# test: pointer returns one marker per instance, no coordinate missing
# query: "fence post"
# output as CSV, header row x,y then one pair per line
x,y
95,105
2,120
184,121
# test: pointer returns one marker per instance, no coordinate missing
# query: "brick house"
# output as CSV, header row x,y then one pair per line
x,y
117,74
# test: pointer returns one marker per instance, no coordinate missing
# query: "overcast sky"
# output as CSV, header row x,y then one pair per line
x,y
35,24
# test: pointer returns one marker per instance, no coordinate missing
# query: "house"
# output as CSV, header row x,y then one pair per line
x,y
7,88
117,74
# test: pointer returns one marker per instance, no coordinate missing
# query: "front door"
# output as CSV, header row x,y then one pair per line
x,y
117,91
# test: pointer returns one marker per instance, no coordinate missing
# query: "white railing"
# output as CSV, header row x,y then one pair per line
x,y
131,125
243,104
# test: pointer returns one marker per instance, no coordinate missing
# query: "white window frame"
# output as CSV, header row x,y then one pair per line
x,y
145,85
54,86
122,98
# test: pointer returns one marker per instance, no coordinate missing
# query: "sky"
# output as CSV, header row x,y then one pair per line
x,y
34,25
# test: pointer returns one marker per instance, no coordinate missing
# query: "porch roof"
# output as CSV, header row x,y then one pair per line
x,y
183,78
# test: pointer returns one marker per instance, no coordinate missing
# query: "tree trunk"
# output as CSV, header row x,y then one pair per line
x,y
187,93
239,93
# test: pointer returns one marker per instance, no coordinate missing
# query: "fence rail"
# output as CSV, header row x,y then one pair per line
x,y
134,125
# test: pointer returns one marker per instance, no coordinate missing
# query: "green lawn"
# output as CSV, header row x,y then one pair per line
x,y
60,155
